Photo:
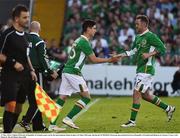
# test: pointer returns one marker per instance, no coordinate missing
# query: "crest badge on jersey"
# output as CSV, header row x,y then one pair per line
x,y
143,43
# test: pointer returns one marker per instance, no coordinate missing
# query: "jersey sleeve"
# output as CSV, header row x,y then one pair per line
x,y
157,43
41,47
133,49
4,47
86,48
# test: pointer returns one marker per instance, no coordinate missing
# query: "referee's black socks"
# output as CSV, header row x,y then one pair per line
x,y
15,119
9,121
8,118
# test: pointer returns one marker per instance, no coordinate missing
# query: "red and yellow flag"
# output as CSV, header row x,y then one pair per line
x,y
45,104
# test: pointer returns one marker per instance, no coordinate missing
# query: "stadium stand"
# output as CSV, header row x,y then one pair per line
x,y
115,23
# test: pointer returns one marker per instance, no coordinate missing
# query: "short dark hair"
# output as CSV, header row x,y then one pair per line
x,y
143,18
87,23
16,12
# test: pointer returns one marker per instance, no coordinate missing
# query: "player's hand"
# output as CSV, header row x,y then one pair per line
x,y
33,76
118,55
18,66
113,59
146,55
54,75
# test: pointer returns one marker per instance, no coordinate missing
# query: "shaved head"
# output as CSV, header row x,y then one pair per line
x,y
35,26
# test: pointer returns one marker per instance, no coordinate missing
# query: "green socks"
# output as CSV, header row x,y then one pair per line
x,y
134,111
78,107
60,103
158,102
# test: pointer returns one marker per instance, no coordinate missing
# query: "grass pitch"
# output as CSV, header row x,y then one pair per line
x,y
106,114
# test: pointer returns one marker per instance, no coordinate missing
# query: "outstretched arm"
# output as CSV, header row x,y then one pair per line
x,y
95,59
127,53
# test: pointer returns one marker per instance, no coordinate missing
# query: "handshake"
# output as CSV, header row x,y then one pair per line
x,y
115,57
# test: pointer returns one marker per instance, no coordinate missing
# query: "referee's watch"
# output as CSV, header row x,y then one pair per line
x,y
10,61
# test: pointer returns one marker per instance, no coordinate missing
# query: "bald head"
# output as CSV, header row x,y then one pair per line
x,y
35,26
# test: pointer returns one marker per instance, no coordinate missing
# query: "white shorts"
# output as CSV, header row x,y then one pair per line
x,y
72,83
143,82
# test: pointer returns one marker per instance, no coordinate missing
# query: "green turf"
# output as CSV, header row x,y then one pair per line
x,y
109,113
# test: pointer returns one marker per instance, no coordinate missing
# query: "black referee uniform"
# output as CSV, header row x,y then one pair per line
x,y
14,84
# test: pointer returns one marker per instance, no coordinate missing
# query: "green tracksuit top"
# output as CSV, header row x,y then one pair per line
x,y
38,52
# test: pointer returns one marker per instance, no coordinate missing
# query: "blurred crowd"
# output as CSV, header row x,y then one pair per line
x,y
116,29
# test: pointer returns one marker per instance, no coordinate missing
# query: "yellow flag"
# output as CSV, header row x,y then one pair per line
x,y
45,104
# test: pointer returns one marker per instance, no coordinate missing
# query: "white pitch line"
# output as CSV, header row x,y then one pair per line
x,y
1,117
84,110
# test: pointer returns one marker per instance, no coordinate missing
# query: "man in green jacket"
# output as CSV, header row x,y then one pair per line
x,y
40,64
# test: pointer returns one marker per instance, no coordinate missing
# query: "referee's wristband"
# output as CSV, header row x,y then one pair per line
x,y
10,61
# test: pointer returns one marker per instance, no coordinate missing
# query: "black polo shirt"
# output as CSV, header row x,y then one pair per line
x,y
14,44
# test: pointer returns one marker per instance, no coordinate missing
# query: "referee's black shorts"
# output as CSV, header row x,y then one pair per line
x,y
14,86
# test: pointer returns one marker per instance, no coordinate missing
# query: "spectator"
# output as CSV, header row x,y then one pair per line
x,y
118,15
100,43
8,25
55,52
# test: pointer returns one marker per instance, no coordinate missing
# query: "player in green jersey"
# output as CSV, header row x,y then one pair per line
x,y
72,79
145,46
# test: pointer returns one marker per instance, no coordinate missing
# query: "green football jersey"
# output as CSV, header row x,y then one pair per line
x,y
146,43
81,48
